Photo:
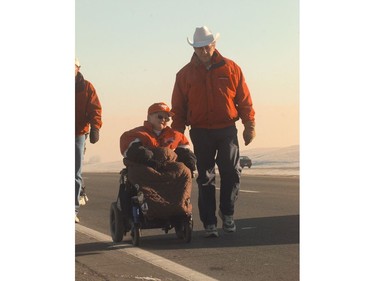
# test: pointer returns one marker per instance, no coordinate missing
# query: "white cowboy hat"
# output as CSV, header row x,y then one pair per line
x,y
77,63
203,37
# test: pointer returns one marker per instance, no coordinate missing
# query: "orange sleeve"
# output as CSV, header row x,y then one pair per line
x,y
94,108
179,106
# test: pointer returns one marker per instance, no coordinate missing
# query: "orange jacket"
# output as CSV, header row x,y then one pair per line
x,y
212,99
168,138
88,107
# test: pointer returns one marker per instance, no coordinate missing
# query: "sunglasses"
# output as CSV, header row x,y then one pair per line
x,y
161,117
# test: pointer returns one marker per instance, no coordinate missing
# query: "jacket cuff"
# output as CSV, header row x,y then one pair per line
x,y
249,124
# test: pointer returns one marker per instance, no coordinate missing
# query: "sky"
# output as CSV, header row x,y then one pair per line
x,y
132,50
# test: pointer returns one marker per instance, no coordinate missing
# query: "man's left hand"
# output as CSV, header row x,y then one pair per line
x,y
248,135
94,135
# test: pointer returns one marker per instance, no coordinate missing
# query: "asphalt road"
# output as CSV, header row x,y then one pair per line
x,y
265,246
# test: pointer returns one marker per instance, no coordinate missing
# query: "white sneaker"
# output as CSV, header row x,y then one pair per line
x,y
77,219
211,231
83,199
228,223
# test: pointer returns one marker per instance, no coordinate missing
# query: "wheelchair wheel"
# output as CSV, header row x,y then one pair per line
x,y
136,234
116,223
179,228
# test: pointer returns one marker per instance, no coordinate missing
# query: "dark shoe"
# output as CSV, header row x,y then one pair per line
x,y
228,223
211,231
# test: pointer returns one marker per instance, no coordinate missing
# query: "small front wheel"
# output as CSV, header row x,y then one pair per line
x,y
188,230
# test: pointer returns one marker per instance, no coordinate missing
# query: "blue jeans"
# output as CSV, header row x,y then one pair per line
x,y
218,146
79,149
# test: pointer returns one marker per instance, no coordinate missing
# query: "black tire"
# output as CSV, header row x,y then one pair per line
x,y
116,223
136,235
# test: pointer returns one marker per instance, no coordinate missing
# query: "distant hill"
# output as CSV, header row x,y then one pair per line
x,y
108,167
283,157
266,161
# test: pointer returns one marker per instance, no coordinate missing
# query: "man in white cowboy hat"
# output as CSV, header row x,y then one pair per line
x,y
210,94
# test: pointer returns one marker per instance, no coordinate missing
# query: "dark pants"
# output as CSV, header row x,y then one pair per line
x,y
218,146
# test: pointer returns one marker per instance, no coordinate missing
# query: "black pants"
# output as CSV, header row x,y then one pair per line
x,y
218,146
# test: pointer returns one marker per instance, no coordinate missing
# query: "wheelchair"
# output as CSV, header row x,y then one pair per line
x,y
128,214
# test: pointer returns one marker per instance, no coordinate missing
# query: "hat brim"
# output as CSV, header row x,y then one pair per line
x,y
203,43
170,113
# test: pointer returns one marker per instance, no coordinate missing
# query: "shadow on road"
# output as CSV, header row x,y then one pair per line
x,y
250,232
96,247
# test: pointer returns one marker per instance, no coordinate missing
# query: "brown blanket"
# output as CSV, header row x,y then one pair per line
x,y
167,190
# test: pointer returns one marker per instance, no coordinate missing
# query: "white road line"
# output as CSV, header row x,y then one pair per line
x,y
249,227
246,191
149,257
249,191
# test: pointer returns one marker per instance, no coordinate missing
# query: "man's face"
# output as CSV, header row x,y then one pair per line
x,y
77,69
205,53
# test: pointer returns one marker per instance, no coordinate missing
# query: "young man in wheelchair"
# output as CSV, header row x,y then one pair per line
x,y
138,145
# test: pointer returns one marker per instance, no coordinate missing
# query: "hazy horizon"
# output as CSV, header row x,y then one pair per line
x,y
265,161
247,151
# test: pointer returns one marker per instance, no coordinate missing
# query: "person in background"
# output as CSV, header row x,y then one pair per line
x,y
137,144
88,121
210,94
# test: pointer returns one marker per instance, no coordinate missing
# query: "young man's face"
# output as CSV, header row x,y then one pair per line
x,y
159,120
205,53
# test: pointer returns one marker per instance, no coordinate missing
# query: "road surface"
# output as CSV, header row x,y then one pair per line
x,y
265,246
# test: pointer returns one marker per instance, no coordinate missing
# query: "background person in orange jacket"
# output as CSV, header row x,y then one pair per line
x,y
88,119
137,144
210,94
